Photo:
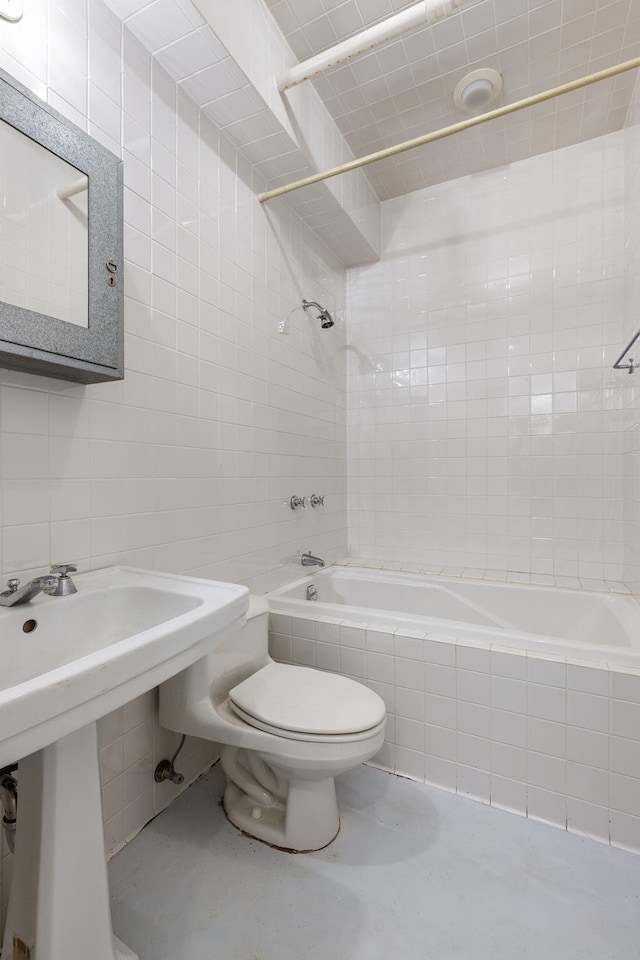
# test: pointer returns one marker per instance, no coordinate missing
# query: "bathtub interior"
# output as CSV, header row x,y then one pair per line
x,y
583,617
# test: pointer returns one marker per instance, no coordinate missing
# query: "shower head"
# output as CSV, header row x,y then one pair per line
x,y
325,318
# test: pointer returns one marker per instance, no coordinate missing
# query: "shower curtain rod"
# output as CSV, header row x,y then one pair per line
x,y
422,14
451,130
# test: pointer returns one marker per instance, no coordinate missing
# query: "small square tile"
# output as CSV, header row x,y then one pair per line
x,y
625,719
440,773
476,659
547,702
509,795
587,710
511,664
475,687
625,831
625,686
545,670
546,806
588,820
410,734
625,794
379,641
440,742
409,673
587,783
474,783
410,763
588,679
589,747
440,652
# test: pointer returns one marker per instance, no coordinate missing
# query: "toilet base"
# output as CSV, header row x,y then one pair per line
x,y
307,821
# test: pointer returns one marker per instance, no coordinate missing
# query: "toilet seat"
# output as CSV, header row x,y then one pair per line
x,y
300,703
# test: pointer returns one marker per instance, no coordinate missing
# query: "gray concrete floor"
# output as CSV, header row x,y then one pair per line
x,y
414,873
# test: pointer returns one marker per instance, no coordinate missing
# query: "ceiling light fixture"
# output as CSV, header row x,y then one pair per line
x,y
477,90
11,10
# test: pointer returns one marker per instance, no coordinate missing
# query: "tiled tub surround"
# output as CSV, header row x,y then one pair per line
x,y
485,422
552,737
495,576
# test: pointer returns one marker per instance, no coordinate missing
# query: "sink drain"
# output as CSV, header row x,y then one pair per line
x,y
29,626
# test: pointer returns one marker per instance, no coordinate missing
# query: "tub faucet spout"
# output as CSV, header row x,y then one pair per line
x,y
308,560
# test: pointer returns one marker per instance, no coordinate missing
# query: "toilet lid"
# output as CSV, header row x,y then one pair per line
x,y
303,700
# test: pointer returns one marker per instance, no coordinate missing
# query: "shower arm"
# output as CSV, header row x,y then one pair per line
x,y
312,303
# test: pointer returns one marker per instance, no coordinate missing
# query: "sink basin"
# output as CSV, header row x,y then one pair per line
x,y
124,632
66,662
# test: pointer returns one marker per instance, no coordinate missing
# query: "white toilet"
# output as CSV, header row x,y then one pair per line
x,y
286,731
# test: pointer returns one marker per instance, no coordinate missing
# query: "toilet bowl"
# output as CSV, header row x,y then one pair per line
x,y
286,733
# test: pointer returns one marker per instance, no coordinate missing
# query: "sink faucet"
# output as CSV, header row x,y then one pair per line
x,y
308,560
55,586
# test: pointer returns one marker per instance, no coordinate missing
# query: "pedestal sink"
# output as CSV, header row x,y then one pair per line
x,y
64,663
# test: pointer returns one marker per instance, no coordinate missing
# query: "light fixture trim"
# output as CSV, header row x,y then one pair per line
x,y
12,10
484,74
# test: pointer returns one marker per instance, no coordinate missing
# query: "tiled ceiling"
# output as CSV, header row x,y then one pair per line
x,y
404,89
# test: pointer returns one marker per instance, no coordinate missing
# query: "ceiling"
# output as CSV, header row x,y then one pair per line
x,y
404,89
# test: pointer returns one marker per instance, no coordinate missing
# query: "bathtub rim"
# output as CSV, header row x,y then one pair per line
x,y
447,631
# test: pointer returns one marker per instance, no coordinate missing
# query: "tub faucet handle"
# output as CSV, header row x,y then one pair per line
x,y
13,584
296,502
316,500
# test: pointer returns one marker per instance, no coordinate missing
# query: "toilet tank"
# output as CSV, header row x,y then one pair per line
x,y
211,678
237,658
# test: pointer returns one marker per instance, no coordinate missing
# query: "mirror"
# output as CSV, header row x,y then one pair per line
x,y
44,233
61,262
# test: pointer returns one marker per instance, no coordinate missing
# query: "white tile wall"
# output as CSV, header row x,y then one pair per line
x,y
485,420
226,60
553,739
186,465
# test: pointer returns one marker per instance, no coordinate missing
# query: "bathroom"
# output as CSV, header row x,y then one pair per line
x,y
442,425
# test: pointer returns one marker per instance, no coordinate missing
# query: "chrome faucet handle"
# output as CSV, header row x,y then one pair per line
x,y
296,502
316,500
63,584
13,584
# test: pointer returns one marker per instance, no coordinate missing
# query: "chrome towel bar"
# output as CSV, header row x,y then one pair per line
x,y
631,366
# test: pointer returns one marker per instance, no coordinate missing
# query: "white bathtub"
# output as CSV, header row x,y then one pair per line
x,y
580,624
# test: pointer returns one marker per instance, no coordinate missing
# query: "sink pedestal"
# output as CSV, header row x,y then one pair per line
x,y
59,903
